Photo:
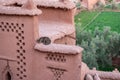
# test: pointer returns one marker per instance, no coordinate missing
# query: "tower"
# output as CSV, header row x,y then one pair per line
x,y
39,47
17,38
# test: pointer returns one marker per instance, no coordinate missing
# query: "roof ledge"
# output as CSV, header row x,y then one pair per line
x,y
10,10
106,75
59,48
64,1
63,4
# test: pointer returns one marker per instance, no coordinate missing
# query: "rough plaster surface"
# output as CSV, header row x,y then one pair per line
x,y
55,30
59,48
18,11
51,3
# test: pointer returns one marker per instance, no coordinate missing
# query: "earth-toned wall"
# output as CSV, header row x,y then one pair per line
x,y
57,15
67,40
89,4
17,39
60,17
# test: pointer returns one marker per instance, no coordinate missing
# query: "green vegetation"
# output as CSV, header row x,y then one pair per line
x,y
113,6
111,19
84,18
102,43
100,46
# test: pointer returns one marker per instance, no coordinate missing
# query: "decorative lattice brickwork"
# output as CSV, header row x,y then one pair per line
x,y
19,30
56,57
57,73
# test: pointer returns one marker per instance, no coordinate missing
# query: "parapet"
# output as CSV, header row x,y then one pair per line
x,y
27,8
18,11
59,48
7,2
105,75
51,3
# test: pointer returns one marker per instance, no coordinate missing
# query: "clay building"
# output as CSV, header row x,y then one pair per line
x,y
90,4
117,1
37,42
38,46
